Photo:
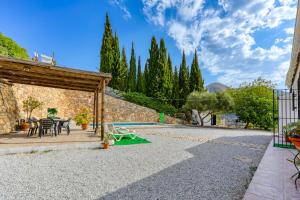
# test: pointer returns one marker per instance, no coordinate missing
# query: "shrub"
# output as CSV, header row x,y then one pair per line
x,y
156,104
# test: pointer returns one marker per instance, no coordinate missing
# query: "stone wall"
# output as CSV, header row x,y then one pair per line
x,y
68,103
9,110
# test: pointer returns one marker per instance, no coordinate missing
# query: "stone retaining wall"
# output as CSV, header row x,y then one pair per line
x,y
68,103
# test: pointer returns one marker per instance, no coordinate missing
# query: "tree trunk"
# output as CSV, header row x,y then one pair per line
x,y
202,122
246,126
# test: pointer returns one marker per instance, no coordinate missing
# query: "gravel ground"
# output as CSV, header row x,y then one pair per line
x,y
180,163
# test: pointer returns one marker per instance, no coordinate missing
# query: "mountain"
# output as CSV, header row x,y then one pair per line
x,y
216,87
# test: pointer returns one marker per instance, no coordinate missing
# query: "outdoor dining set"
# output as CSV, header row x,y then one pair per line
x,y
52,126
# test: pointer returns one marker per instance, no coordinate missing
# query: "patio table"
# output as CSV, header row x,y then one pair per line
x,y
57,124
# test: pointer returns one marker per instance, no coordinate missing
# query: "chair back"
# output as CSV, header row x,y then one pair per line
x,y
66,123
46,123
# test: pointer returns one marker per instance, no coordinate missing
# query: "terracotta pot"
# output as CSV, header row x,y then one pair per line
x,y
105,146
294,139
84,126
24,126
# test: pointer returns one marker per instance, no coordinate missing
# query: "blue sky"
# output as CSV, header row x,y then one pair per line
x,y
236,40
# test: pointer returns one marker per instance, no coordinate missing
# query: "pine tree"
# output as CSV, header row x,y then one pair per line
x,y
154,90
122,80
183,80
175,90
196,81
132,72
116,70
107,51
139,83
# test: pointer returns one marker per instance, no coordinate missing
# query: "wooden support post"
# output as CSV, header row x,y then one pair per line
x,y
94,110
97,111
102,108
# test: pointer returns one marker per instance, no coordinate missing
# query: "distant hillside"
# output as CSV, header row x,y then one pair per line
x,y
216,87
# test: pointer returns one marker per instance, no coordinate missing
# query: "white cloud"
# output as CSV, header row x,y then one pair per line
x,y
224,35
289,31
122,6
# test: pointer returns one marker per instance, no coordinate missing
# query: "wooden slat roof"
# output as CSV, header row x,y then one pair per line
x,y
43,74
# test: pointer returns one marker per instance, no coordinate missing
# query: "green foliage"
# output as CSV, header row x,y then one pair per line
x,y
52,112
140,82
122,79
254,103
132,72
30,104
116,67
143,100
83,117
196,81
208,103
175,89
168,82
146,79
107,48
9,48
183,80
154,73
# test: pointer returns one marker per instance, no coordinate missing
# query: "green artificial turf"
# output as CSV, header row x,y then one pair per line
x,y
129,141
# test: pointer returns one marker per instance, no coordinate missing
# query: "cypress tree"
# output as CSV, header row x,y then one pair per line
x,y
146,79
139,84
107,51
175,90
168,86
153,78
122,80
162,69
196,81
132,72
116,70
183,80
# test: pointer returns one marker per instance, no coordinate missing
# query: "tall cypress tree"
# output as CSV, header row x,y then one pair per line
x,y
132,72
196,81
146,79
153,77
183,80
139,83
107,51
162,69
168,84
175,90
122,83
116,69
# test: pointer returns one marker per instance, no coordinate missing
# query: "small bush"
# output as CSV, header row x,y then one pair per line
x,y
156,104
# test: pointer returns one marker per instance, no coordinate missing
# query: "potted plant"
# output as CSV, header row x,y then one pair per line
x,y
52,112
29,105
83,118
106,141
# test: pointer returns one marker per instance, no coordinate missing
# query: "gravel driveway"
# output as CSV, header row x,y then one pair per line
x,y
180,163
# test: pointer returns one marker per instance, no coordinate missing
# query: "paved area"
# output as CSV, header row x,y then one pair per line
x,y
180,163
272,180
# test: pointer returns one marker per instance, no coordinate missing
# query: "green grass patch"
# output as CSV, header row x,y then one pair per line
x,y
129,141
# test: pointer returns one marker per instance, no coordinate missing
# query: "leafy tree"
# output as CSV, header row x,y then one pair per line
x,y
30,104
107,50
116,67
139,84
175,89
122,80
9,48
208,103
154,74
183,80
132,72
254,103
162,69
196,81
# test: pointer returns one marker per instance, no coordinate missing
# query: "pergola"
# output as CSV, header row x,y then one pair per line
x,y
14,70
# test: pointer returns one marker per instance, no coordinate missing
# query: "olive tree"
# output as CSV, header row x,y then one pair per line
x,y
208,103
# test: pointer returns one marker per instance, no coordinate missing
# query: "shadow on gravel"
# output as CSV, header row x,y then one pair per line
x,y
212,173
